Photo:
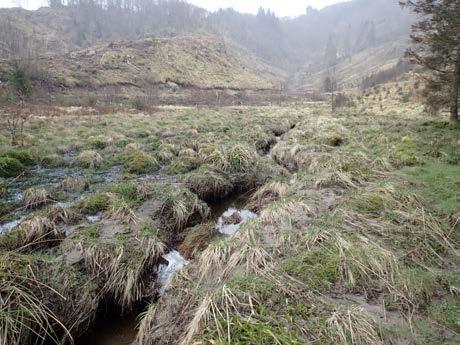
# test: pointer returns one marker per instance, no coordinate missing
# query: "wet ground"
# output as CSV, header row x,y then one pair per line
x,y
112,328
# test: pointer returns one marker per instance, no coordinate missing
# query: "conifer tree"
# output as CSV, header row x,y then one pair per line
x,y
437,47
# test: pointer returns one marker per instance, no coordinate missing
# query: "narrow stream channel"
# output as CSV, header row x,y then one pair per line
x,y
111,327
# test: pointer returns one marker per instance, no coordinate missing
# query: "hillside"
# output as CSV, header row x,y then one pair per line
x,y
199,61
350,71
178,42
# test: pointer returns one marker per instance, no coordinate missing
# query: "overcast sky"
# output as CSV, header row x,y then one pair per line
x,y
281,7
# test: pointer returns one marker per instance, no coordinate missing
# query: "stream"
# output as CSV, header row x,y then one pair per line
x,y
112,326
228,214
115,328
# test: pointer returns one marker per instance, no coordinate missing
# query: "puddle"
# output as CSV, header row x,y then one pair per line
x,y
232,219
93,219
166,272
7,227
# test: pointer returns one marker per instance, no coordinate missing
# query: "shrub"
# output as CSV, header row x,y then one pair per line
x,y
10,167
140,163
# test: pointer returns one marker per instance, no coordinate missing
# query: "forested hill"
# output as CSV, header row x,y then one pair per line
x,y
307,44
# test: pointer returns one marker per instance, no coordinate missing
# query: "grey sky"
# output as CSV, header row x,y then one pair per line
x,y
280,7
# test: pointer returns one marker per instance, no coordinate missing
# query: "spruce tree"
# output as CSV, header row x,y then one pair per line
x,y
437,47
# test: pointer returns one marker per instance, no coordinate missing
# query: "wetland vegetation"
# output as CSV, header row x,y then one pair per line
x,y
164,190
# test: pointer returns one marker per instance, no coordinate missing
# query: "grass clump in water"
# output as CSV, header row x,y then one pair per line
x,y
10,167
88,159
140,163
35,197
74,184
22,155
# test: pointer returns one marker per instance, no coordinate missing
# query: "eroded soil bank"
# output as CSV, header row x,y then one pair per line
x,y
113,326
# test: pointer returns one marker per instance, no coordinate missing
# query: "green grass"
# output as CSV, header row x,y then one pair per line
x,y
440,184
254,331
317,268
140,163
95,203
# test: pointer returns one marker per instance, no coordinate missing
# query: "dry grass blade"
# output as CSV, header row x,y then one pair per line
x,y
124,214
201,314
39,230
21,312
352,327
35,197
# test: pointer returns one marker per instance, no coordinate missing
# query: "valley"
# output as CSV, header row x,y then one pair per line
x,y
174,176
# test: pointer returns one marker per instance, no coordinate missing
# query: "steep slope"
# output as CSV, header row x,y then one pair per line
x,y
201,61
350,71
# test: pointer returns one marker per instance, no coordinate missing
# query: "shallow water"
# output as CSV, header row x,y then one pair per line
x,y
166,272
230,229
111,329
7,227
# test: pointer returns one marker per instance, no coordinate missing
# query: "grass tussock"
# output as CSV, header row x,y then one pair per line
x,y
181,207
197,239
35,197
123,213
35,232
403,220
138,162
22,314
88,159
120,266
208,183
272,191
291,213
352,326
